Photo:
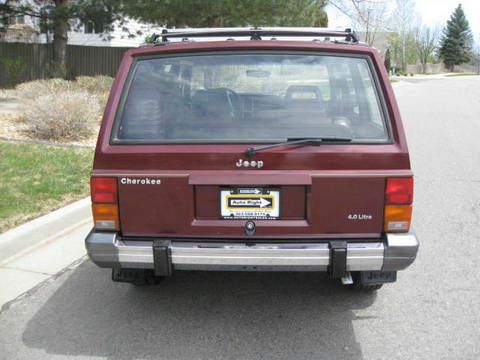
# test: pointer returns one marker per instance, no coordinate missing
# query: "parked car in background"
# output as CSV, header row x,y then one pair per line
x,y
275,150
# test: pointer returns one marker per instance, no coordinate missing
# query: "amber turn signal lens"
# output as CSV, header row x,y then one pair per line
x,y
105,216
397,218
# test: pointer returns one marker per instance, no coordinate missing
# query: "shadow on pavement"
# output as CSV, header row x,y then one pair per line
x,y
199,315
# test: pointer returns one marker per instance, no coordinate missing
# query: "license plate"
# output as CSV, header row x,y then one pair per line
x,y
250,203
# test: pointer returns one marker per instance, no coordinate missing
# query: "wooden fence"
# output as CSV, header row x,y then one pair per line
x,y
21,62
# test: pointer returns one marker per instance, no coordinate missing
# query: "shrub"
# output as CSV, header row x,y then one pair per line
x,y
61,110
35,89
97,84
65,115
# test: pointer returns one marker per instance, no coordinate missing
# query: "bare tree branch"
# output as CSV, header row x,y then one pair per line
x,y
426,42
366,15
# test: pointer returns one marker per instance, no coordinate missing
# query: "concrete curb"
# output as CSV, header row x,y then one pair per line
x,y
42,228
37,250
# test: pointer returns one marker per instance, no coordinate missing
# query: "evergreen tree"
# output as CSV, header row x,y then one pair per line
x,y
457,39
220,13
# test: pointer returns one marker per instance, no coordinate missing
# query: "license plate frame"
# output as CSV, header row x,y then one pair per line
x,y
249,203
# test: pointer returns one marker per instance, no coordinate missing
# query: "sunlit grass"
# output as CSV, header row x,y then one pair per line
x,y
35,179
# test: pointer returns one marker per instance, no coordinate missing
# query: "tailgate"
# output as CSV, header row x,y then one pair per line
x,y
307,204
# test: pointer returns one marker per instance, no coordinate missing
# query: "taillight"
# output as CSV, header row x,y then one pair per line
x,y
103,190
104,203
398,204
399,191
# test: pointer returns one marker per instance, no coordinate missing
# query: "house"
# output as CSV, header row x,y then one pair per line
x,y
28,29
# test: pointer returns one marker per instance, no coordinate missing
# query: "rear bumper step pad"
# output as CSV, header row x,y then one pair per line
x,y
397,252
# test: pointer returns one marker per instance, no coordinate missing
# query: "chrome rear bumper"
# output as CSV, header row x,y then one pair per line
x,y
396,252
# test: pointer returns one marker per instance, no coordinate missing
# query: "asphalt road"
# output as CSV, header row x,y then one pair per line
x,y
432,312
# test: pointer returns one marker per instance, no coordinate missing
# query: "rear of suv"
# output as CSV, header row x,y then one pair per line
x,y
258,154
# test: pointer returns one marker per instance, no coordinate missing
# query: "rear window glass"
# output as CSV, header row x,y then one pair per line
x,y
250,98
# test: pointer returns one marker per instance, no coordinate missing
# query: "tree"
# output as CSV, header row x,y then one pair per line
x,y
476,59
403,22
457,39
60,16
368,16
425,43
218,13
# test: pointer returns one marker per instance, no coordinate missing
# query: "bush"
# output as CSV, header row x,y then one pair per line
x,y
97,84
34,89
62,110
67,115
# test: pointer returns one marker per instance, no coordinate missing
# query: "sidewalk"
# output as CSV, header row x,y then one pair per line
x,y
35,251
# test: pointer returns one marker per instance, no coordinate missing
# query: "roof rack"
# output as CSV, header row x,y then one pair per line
x,y
255,33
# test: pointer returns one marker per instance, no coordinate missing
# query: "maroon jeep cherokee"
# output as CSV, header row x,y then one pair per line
x,y
258,154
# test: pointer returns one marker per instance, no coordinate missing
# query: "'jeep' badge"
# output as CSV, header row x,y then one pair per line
x,y
245,163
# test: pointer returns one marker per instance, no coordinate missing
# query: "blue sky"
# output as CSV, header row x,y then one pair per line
x,y
432,12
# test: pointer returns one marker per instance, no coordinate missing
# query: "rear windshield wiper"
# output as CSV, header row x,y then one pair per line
x,y
297,141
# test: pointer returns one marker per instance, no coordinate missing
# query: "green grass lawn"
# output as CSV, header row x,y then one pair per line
x,y
35,179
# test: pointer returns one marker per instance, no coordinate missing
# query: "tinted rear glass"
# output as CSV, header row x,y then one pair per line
x,y
251,98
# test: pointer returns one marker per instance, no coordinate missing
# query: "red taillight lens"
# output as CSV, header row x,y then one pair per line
x,y
399,191
103,190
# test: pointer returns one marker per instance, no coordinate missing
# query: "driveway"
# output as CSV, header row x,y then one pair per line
x,y
9,104
432,312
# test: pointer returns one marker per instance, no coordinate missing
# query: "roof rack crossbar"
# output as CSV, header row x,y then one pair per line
x,y
257,33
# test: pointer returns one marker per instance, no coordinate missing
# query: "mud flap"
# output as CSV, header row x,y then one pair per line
x,y
338,259
161,258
